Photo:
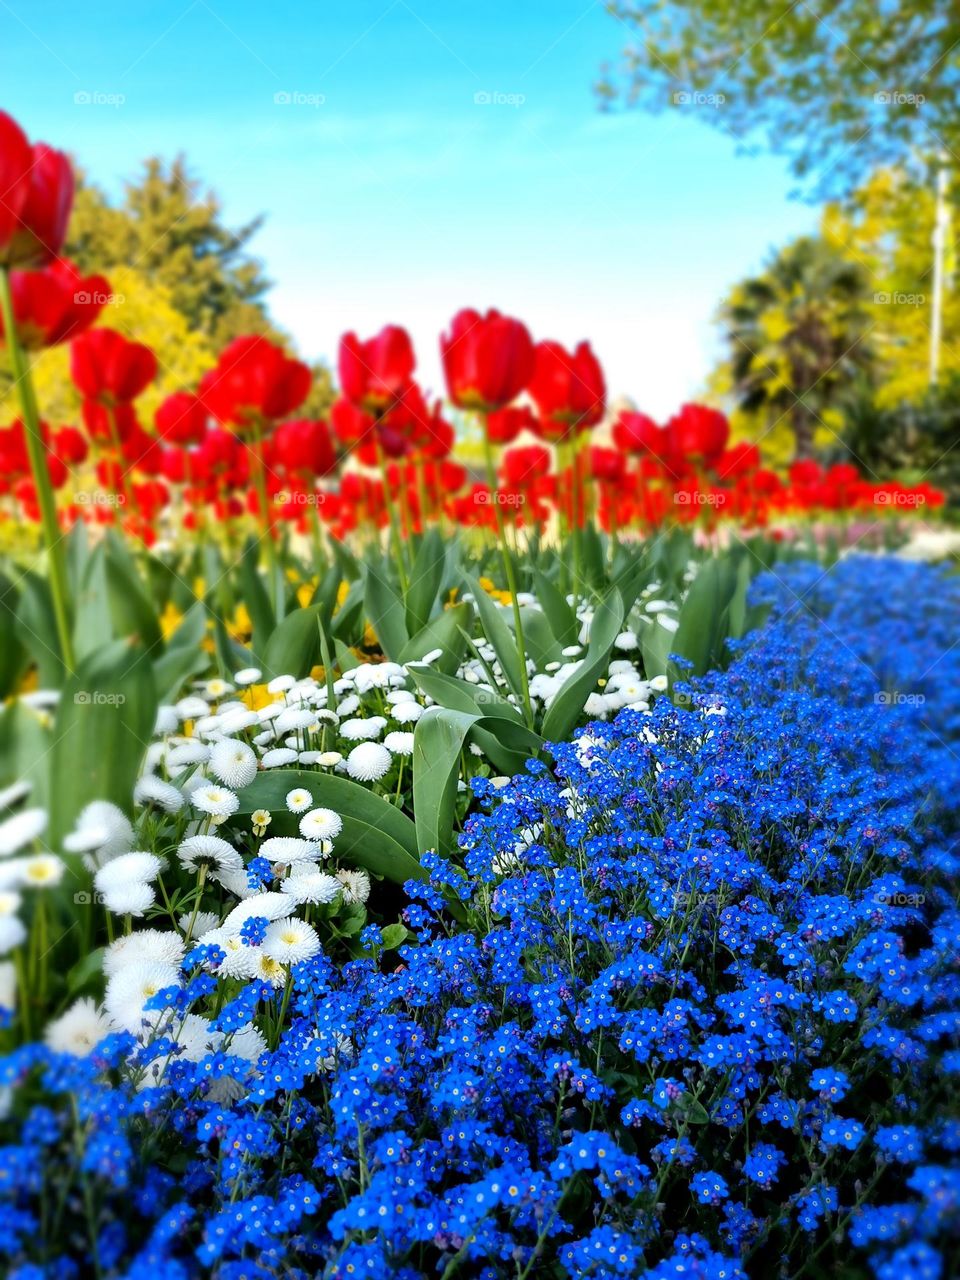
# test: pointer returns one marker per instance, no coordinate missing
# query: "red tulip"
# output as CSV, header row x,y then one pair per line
x,y
487,360
522,467
254,380
36,194
55,304
569,389
636,433
740,459
104,421
607,465
303,446
699,433
181,419
70,445
504,425
105,366
374,374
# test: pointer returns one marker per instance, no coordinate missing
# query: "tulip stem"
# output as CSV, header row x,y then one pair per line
x,y
395,540
263,501
37,453
508,573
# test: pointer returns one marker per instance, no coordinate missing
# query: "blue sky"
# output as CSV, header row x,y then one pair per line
x,y
393,192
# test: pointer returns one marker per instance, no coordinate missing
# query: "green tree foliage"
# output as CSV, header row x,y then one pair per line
x,y
798,338
843,86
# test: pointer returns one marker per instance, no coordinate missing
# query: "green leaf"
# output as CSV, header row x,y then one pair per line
x,y
103,725
255,597
347,623
562,619
694,1112
426,576
444,632
656,644
458,695
36,630
498,634
294,648
702,632
25,739
394,935
376,834
386,613
567,706
540,644
438,742
132,614
13,655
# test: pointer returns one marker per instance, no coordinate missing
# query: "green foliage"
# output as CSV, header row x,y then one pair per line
x,y
842,90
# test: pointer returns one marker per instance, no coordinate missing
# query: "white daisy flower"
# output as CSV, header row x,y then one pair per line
x,y
278,757
217,688
369,762
8,987
128,868
375,675
232,722
234,763
280,684
247,1043
627,641
22,829
10,902
210,851
299,800
659,683
356,885
186,754
267,969
295,718
306,884
261,906
309,757
291,941
247,675
399,695
130,989
151,790
407,712
192,707
399,743
78,1031
42,871
287,849
167,721
13,934
204,922
329,759
668,622
14,792
154,946
129,898
216,801
348,706
321,824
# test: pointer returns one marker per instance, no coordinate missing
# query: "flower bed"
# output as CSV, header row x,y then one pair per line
x,y
685,1003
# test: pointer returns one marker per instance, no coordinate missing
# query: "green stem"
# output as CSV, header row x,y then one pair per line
x,y
392,517
508,573
37,452
263,501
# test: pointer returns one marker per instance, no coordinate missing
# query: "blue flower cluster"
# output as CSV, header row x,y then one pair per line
x,y
688,1005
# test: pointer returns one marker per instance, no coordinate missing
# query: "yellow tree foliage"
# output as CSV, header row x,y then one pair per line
x,y
143,312
889,230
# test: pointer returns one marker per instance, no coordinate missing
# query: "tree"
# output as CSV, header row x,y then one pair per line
x,y
799,339
887,226
843,86
175,236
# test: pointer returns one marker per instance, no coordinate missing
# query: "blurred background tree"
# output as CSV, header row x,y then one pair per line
x,y
798,336
843,88
181,281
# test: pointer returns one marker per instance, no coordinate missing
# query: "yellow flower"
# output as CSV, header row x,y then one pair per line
x,y
305,593
241,625
342,592
255,696
170,619
260,819
501,597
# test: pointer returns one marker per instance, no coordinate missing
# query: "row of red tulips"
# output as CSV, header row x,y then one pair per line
x,y
232,445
